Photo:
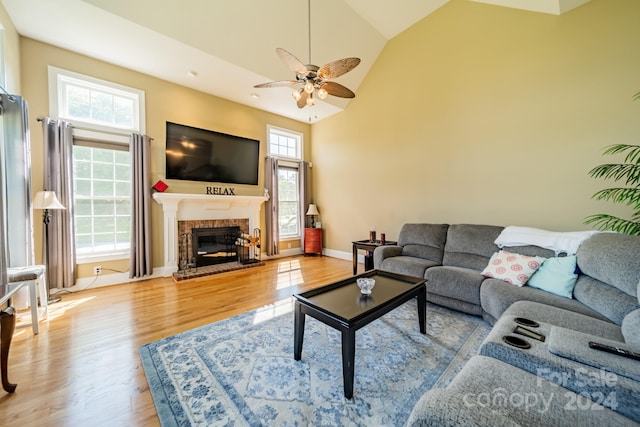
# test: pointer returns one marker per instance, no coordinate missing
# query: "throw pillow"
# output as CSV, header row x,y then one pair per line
x,y
512,268
556,275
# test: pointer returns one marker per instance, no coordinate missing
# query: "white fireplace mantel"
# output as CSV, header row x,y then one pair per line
x,y
184,207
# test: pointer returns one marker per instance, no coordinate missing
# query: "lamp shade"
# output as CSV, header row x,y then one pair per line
x,y
46,200
313,210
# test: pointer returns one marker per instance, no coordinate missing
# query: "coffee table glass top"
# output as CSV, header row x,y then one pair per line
x,y
344,300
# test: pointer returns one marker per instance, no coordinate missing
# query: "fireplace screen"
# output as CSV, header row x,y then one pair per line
x,y
214,245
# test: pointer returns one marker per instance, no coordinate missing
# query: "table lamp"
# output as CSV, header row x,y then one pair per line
x,y
312,212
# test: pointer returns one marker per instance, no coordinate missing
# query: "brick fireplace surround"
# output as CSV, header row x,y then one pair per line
x,y
184,210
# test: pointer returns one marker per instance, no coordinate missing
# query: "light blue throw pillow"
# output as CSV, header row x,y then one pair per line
x,y
556,275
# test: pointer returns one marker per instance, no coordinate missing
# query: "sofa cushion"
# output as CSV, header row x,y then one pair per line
x,y
631,328
556,275
455,282
607,300
612,258
423,241
513,268
409,266
470,246
455,304
496,296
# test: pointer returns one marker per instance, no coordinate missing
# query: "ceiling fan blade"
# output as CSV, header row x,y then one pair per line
x,y
279,83
336,89
302,102
337,68
291,61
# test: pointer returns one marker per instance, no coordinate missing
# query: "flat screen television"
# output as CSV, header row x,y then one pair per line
x,y
195,154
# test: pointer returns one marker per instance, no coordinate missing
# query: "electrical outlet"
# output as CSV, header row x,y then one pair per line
x,y
97,270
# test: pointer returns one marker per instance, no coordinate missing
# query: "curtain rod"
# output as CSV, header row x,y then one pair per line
x,y
41,119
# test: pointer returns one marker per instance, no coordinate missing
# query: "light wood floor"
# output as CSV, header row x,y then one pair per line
x,y
83,369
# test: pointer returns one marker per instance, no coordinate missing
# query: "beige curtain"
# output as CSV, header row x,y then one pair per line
x,y
58,177
141,261
272,235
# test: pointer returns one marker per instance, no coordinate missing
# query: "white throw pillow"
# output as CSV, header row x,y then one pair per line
x,y
512,268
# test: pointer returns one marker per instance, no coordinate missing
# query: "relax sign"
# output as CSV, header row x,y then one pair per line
x,y
219,191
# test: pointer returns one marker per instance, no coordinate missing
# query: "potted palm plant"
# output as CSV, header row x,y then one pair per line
x,y
629,194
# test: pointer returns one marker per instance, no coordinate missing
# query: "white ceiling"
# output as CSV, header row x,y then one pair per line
x,y
230,45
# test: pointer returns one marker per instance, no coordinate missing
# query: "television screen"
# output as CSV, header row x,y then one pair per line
x,y
203,155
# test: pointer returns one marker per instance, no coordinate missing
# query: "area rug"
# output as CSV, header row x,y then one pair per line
x,y
241,371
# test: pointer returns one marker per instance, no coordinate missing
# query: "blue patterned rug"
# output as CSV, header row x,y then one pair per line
x,y
241,371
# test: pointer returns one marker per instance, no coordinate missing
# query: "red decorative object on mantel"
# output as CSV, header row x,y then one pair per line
x,y
160,186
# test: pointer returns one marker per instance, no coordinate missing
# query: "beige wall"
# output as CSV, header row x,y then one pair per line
x,y
482,114
164,102
477,114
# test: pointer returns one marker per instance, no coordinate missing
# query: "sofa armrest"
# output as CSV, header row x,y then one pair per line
x,y
574,345
383,252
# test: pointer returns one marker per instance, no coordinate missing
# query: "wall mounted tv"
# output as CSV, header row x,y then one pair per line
x,y
204,155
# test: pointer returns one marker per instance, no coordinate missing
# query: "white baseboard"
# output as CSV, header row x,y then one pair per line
x,y
166,271
107,280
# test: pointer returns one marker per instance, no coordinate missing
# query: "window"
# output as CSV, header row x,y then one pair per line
x,y
95,104
288,202
103,115
102,200
287,145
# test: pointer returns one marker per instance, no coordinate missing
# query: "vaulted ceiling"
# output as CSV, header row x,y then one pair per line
x,y
226,47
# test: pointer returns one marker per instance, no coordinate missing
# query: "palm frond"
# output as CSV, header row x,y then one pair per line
x,y
613,223
628,196
633,155
617,172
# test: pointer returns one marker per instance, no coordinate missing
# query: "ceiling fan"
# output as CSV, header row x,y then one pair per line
x,y
312,80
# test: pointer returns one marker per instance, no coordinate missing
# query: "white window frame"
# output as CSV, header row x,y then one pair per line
x,y
288,163
287,134
60,78
102,135
102,141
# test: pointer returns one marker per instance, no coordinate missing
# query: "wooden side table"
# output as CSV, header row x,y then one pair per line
x,y
369,247
313,241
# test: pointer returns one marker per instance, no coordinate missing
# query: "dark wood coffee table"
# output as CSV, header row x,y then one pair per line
x,y
342,306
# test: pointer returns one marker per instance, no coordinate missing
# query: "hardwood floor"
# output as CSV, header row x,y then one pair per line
x,y
83,369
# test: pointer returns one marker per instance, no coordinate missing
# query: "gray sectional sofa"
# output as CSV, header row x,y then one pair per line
x,y
558,381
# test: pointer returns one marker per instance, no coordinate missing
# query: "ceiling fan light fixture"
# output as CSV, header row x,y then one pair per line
x,y
312,78
309,87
